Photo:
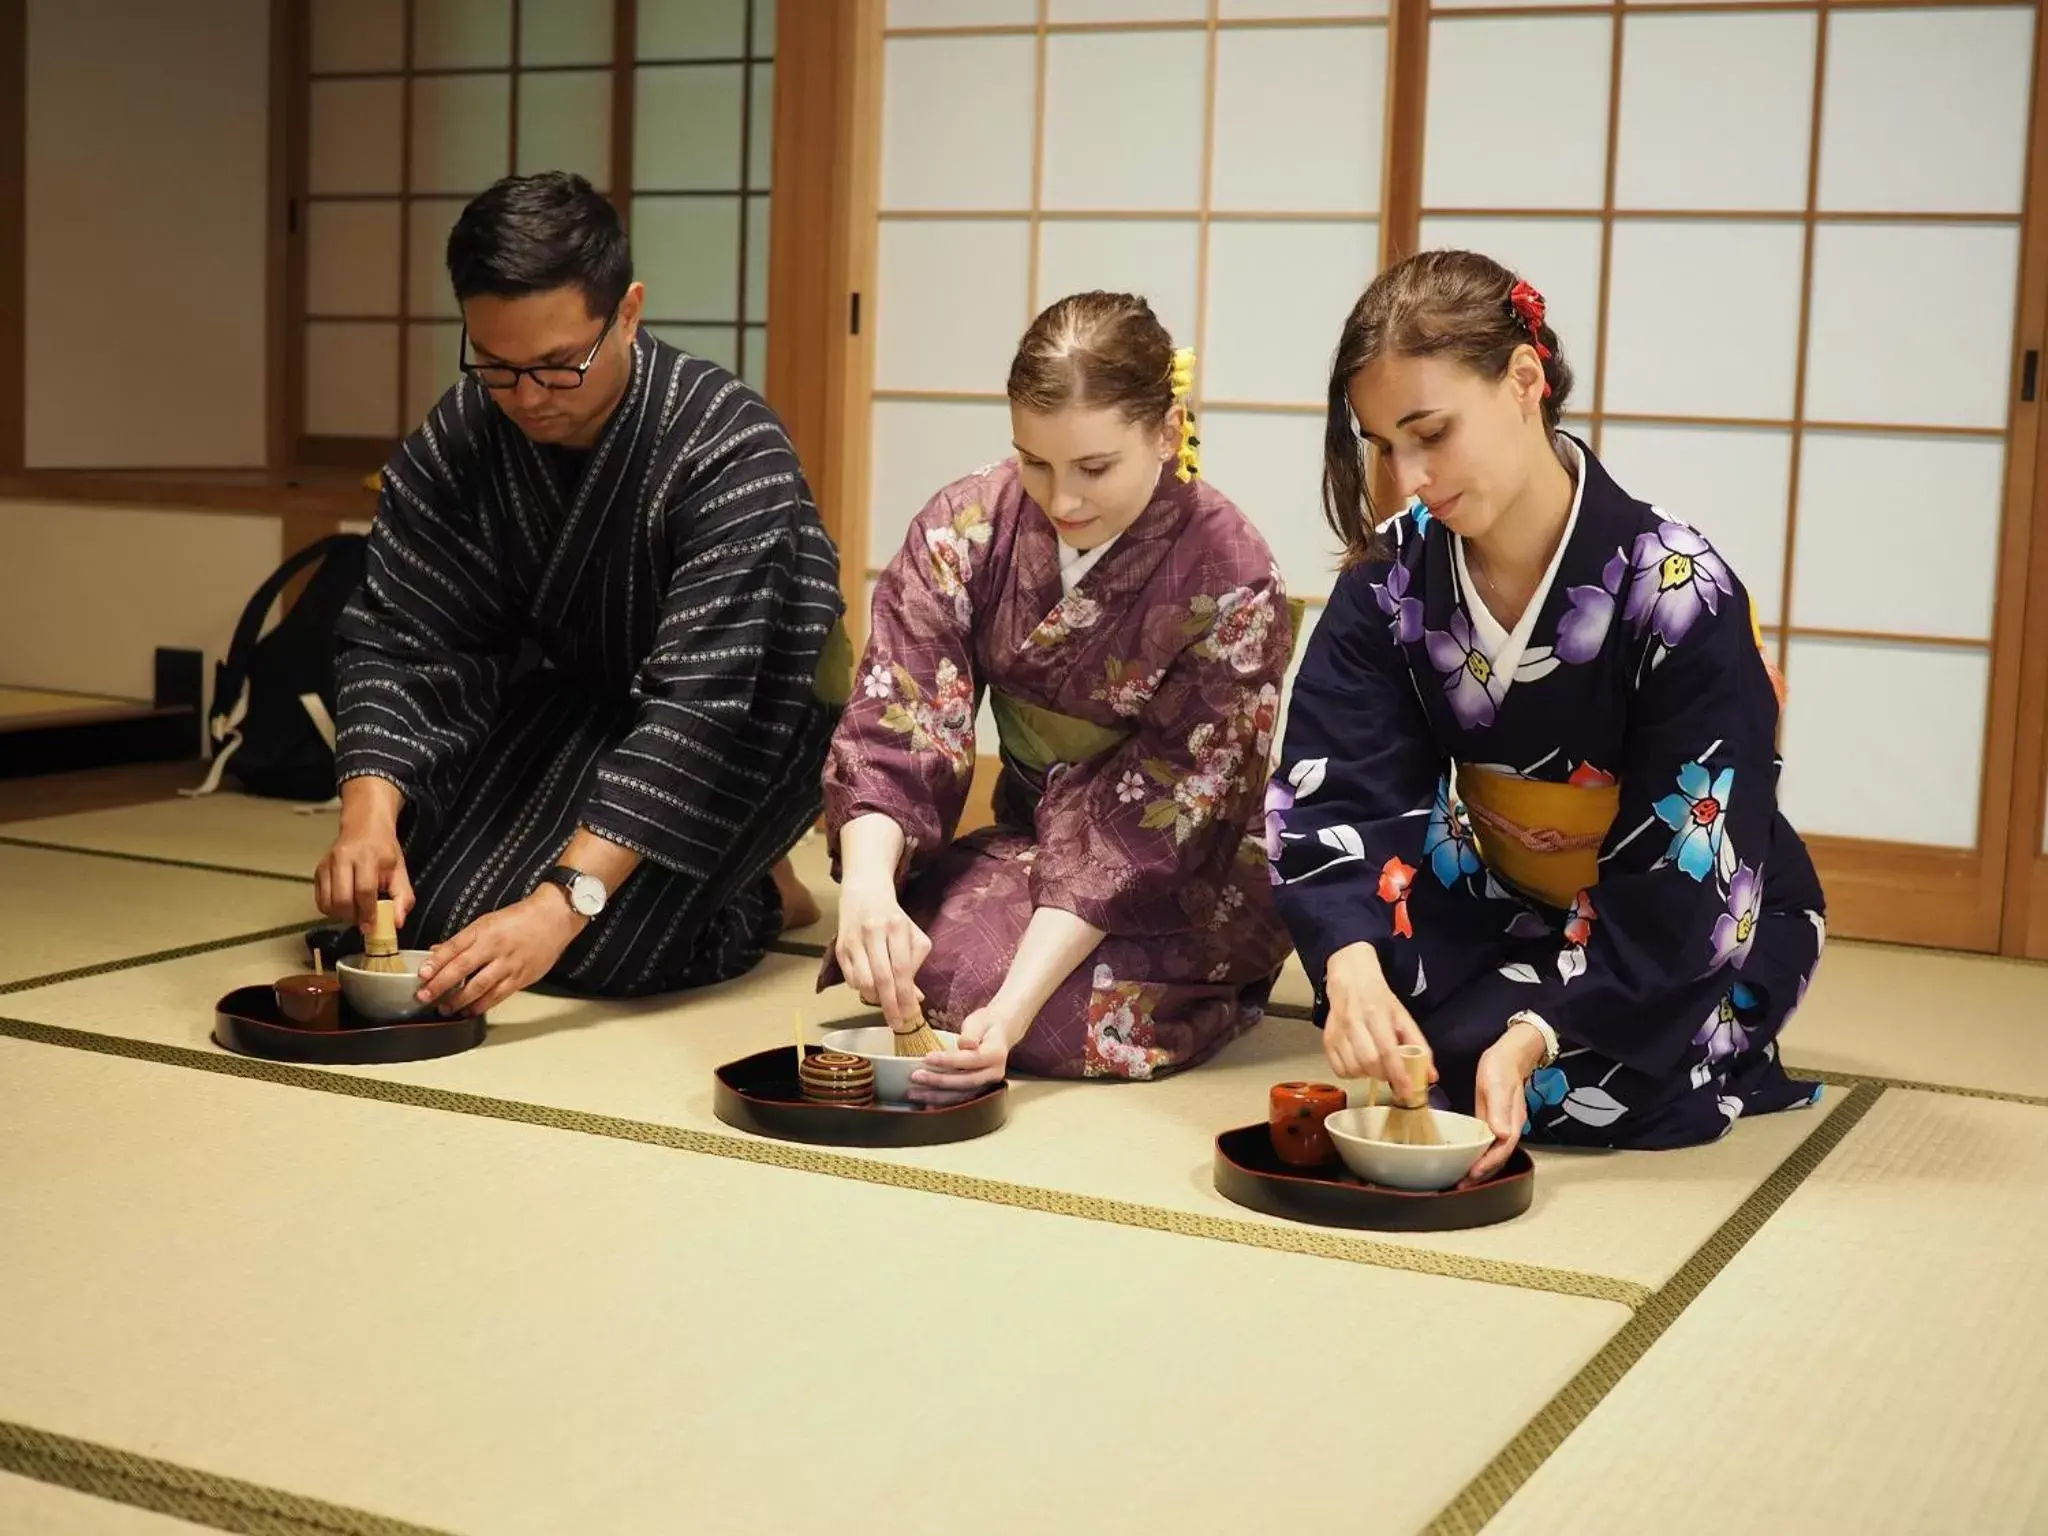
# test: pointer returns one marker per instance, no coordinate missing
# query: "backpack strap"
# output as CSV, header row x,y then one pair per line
x,y
231,675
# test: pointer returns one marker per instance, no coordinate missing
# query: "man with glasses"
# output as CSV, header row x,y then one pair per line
x,y
616,817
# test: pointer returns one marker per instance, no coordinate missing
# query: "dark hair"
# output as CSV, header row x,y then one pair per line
x,y
1451,304
530,234
1102,350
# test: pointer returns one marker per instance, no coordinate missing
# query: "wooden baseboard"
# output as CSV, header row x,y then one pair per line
x,y
1895,893
980,810
2035,944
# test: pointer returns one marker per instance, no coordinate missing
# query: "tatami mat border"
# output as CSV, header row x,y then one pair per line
x,y
1483,1497
151,858
204,1498
157,957
1313,1241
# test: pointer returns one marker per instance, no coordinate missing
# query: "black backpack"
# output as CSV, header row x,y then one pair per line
x,y
273,698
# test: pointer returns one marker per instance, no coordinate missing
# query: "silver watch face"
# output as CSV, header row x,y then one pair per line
x,y
587,894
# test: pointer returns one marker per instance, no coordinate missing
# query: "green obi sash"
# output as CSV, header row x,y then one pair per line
x,y
833,683
1034,739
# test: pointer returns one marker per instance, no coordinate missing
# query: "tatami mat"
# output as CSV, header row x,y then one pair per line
x,y
230,830
490,1327
1876,1360
30,1508
1966,1021
61,911
1631,1217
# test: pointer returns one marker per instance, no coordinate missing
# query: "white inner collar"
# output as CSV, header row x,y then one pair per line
x,y
1504,649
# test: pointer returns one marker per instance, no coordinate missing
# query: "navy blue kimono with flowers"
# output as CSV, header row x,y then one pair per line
x,y
1667,980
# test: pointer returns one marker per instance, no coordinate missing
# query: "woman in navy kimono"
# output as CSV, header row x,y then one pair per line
x,y
1527,805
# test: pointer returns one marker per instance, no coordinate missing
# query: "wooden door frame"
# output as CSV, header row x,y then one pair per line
x,y
2024,930
821,261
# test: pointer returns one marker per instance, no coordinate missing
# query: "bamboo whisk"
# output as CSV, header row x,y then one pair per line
x,y
918,1040
1410,1121
380,951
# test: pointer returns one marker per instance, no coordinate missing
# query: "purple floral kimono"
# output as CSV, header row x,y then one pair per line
x,y
1669,974
1136,716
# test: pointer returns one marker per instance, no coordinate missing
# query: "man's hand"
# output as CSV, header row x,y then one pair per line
x,y
501,953
366,858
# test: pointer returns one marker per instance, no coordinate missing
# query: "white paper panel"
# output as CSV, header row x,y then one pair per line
x,y
956,122
461,132
951,303
692,29
1272,466
427,288
686,127
962,13
718,344
764,29
565,31
351,380
355,136
1300,118
1562,258
1885,741
687,251
1715,111
430,367
1126,10
461,34
1533,5
1156,259
755,371
1926,110
1731,483
758,237
1123,119
1495,84
565,124
1703,319
1278,295
352,259
1880,354
1235,9
919,448
761,128
1898,534
357,34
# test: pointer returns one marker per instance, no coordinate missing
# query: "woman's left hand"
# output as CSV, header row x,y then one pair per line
x,y
1498,1099
953,1077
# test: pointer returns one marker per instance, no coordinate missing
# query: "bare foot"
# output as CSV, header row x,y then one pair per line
x,y
799,908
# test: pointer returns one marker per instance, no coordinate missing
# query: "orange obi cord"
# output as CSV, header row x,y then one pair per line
x,y
1543,837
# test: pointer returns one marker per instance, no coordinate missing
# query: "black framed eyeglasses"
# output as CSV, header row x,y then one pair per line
x,y
547,375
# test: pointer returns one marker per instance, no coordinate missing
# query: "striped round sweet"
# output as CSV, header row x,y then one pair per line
x,y
838,1077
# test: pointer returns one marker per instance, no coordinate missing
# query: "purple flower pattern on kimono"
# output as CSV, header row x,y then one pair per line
x,y
1397,605
1677,576
1474,689
1735,929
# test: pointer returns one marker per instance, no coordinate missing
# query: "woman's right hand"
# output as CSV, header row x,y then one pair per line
x,y
1366,1021
879,949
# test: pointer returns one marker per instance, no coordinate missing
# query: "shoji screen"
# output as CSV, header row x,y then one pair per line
x,y
1782,244
1222,157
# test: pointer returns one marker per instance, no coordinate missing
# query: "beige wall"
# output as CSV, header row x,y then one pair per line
x,y
147,183
87,593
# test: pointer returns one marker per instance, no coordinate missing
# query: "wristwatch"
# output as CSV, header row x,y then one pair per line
x,y
1542,1027
587,894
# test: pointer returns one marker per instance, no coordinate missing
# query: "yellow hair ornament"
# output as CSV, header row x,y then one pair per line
x,y
1188,461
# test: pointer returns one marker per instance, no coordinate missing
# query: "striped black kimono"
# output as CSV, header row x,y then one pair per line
x,y
632,639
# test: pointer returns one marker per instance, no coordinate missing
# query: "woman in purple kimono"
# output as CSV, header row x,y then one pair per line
x,y
1527,805
1130,631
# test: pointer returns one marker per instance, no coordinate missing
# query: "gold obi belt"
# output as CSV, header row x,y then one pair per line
x,y
1544,838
